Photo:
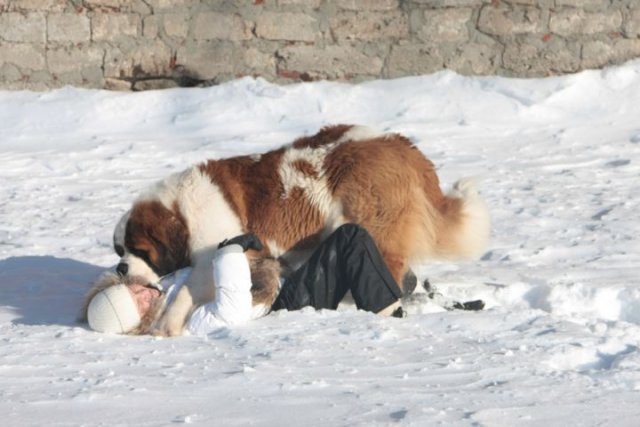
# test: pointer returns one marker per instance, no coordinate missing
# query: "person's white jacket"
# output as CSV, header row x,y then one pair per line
x,y
233,303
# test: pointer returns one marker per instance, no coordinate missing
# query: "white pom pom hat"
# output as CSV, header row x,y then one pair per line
x,y
113,310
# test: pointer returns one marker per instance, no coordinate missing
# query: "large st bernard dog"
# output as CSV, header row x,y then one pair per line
x,y
292,198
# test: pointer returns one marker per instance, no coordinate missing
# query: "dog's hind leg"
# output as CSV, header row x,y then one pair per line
x,y
397,265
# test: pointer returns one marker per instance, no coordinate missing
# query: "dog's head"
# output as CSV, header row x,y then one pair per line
x,y
152,241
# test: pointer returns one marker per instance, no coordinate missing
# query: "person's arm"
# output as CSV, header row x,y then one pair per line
x,y
233,301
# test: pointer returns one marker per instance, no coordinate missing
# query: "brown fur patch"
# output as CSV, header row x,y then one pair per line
x,y
229,175
305,168
265,279
388,186
327,135
159,236
255,192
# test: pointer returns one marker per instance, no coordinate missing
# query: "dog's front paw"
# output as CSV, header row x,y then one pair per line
x,y
167,328
159,329
157,332
172,330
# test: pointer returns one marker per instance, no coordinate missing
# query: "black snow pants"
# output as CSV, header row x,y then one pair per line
x,y
348,260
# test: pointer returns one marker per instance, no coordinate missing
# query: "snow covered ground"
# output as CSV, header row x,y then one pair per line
x,y
558,344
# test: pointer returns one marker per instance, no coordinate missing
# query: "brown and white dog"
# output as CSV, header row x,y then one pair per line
x,y
293,198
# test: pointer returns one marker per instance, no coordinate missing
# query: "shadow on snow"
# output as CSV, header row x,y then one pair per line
x,y
44,290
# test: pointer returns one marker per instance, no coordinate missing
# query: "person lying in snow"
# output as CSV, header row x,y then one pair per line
x,y
348,260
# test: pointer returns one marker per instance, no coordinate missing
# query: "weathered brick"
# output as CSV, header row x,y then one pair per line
x,y
370,26
504,21
71,58
560,58
330,62
213,25
92,77
207,60
29,28
113,83
313,4
475,59
9,73
528,59
258,62
572,22
445,25
141,7
41,76
584,4
632,24
27,84
145,56
22,55
627,49
451,3
538,3
598,53
287,26
169,4
176,24
68,27
150,27
113,4
359,5
410,60
520,58
40,5
109,27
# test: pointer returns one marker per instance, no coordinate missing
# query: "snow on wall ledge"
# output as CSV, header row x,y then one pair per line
x,y
123,44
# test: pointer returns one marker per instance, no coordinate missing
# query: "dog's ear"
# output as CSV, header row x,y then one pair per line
x,y
176,236
159,236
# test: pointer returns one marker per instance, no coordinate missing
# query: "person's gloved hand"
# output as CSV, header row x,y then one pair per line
x,y
247,241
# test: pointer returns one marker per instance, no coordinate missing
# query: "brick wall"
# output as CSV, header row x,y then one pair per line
x,y
124,44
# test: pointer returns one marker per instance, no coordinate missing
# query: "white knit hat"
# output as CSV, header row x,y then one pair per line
x,y
113,310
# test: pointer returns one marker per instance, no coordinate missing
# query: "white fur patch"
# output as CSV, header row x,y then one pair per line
x,y
317,188
274,249
138,267
473,236
360,133
259,310
209,217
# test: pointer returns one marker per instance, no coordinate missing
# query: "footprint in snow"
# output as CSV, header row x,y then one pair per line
x,y
617,163
578,358
598,216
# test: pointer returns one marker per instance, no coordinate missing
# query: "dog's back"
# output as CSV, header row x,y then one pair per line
x,y
296,196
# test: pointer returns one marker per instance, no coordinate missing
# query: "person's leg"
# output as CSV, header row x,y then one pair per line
x,y
346,260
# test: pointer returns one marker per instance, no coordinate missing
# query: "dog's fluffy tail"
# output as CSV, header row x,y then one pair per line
x,y
466,227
